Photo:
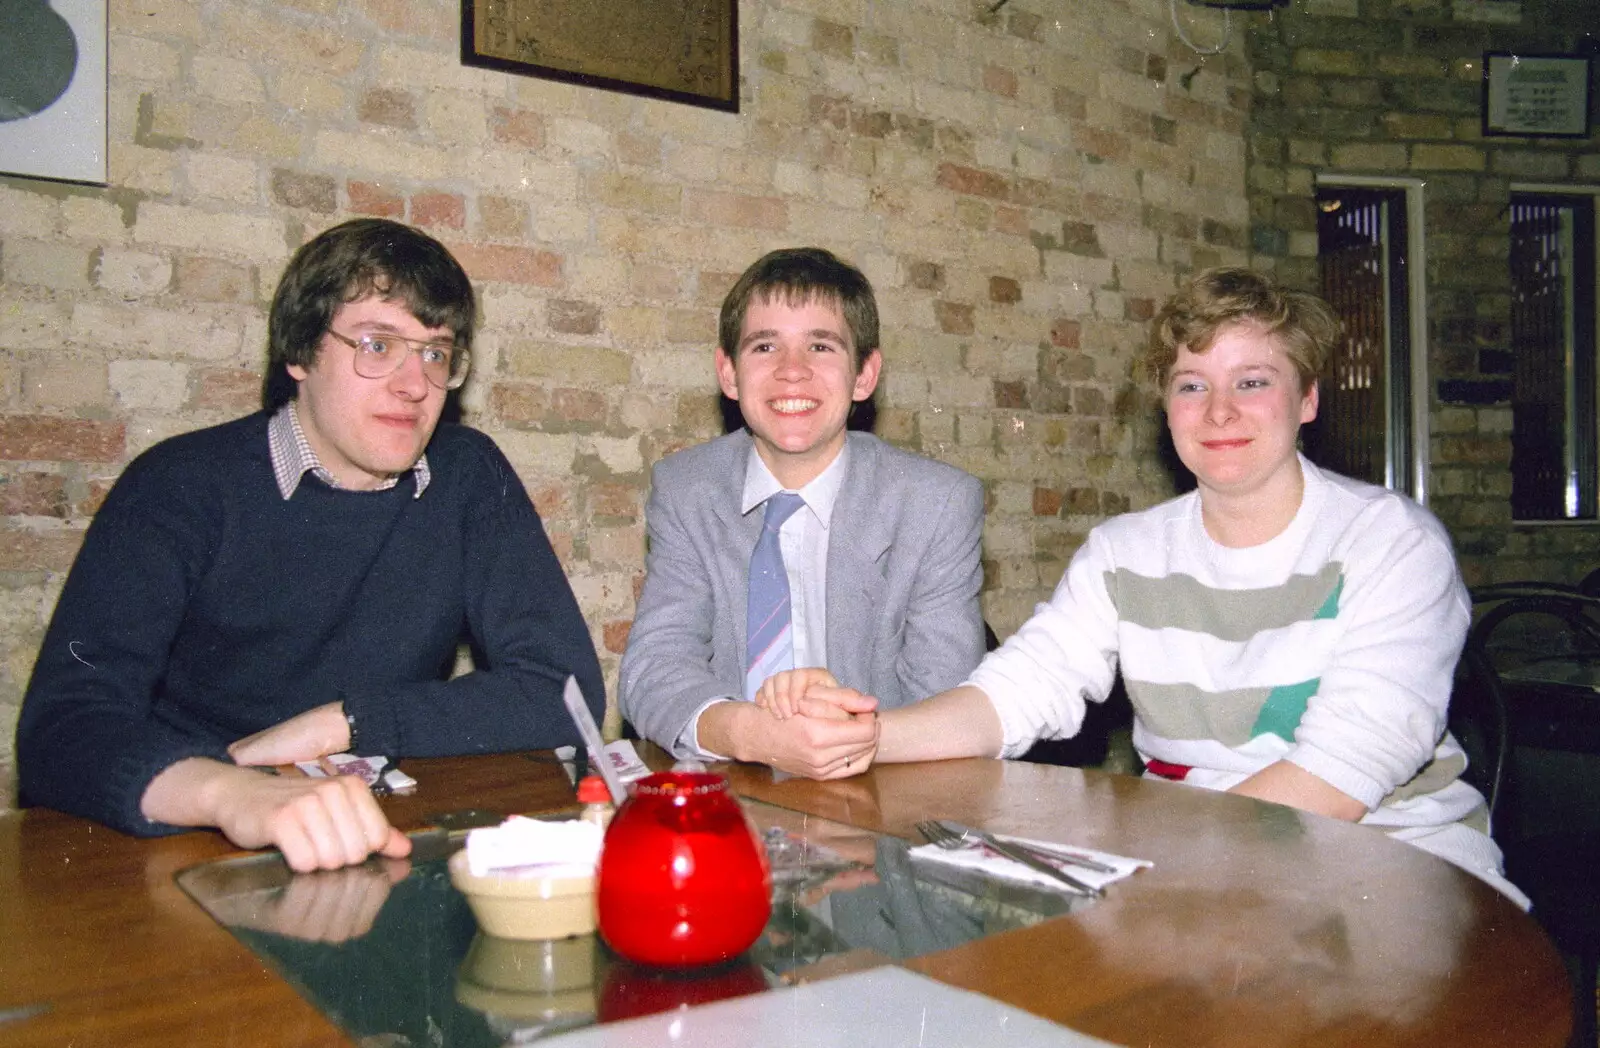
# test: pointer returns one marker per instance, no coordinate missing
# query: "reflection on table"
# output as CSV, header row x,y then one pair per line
x,y
389,948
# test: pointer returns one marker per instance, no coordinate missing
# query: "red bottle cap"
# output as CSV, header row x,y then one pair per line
x,y
592,790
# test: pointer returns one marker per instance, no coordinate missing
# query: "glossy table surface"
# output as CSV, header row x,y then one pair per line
x,y
1258,925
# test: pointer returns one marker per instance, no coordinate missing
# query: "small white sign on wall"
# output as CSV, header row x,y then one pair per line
x,y
53,89
1536,95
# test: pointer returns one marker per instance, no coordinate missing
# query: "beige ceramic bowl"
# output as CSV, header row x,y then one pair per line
x,y
526,907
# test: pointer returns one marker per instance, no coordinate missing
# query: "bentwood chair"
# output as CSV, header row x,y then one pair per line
x,y
1535,651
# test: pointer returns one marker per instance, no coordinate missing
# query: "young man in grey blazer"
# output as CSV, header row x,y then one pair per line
x,y
878,578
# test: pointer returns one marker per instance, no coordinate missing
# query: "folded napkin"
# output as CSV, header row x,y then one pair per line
x,y
975,855
523,846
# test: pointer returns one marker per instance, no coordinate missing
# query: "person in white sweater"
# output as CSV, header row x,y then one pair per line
x,y
1283,632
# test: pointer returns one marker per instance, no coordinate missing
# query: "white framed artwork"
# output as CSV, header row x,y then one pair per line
x,y
53,89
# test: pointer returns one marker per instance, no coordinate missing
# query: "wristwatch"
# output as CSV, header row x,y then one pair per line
x,y
350,720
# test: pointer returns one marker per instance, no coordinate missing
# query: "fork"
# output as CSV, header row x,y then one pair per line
x,y
943,836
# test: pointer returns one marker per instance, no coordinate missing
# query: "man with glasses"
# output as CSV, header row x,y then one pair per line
x,y
296,583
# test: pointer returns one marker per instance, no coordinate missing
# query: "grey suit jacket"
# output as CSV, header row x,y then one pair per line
x,y
903,576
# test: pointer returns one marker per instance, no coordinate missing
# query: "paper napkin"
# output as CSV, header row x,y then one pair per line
x,y
975,855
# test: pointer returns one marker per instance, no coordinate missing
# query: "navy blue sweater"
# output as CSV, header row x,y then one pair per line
x,y
204,606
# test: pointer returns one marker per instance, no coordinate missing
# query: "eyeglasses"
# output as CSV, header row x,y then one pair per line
x,y
379,356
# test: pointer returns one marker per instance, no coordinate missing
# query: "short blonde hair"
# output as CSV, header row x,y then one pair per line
x,y
1303,324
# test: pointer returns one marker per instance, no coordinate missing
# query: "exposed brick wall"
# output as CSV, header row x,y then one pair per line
x,y
1021,186
1393,88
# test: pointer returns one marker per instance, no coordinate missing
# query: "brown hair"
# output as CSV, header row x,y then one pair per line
x,y
351,261
1303,324
798,275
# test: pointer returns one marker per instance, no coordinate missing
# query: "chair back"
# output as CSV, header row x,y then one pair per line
x,y
1480,721
1512,630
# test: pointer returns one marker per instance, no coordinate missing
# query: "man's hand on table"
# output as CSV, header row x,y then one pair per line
x,y
305,737
318,824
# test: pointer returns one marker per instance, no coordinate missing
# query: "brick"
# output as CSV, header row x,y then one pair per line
x,y
133,274
631,192
1066,333
515,265
1412,126
735,209
27,550
1001,81
233,390
1004,290
260,239
954,318
1012,220
1112,146
44,438
1047,502
1530,164
588,365
59,267
1327,62
149,331
1012,395
215,280
581,406
502,217
928,276
517,127
519,404
573,318
439,210
976,215
316,193
872,123
1425,157
694,326
33,495
973,182
388,108
833,39
1081,238
158,386
617,501
65,383
372,198
829,110
1069,103
616,635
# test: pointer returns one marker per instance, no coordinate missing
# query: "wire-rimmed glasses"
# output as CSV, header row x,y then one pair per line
x,y
379,356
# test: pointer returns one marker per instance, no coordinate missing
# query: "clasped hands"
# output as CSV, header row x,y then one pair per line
x,y
832,730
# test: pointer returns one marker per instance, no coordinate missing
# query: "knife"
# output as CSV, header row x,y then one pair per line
x,y
1027,859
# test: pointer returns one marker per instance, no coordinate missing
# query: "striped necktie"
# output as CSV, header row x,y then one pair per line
x,y
769,638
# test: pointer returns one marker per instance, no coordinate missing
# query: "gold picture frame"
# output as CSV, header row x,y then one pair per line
x,y
678,50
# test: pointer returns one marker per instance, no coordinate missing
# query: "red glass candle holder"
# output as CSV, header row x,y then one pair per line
x,y
683,879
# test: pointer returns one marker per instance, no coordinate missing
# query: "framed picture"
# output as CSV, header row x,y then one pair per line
x,y
1535,95
678,50
53,90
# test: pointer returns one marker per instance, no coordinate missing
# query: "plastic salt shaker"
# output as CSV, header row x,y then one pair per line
x,y
596,801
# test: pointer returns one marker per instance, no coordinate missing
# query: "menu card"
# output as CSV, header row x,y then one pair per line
x,y
884,1007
